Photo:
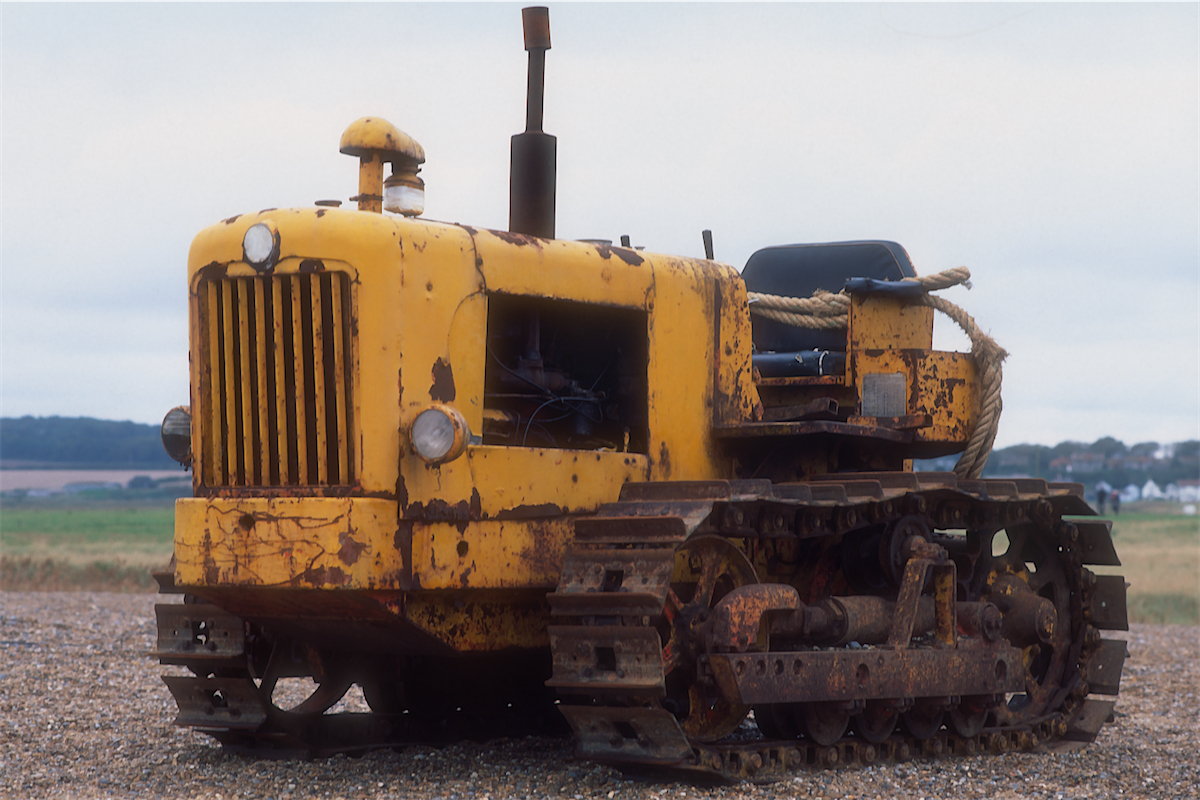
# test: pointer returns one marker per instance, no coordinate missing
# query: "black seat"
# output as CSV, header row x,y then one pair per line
x,y
799,270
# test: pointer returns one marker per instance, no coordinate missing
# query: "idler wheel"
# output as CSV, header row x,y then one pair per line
x,y
825,723
778,721
968,717
923,721
876,722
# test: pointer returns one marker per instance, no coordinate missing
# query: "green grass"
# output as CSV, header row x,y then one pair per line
x,y
89,524
93,540
1165,609
1159,550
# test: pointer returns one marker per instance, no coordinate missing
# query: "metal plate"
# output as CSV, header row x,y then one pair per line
x,y
1103,672
606,658
610,571
217,702
1096,544
1087,722
1108,604
638,735
884,394
617,530
198,631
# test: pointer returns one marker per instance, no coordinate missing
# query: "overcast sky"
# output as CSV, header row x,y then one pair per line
x,y
1050,149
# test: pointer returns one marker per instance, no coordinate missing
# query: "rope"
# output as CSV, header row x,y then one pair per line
x,y
829,311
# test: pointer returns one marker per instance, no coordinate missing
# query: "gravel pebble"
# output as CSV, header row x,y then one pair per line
x,y
83,714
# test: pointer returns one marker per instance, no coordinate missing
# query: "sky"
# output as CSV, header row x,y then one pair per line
x,y
1052,149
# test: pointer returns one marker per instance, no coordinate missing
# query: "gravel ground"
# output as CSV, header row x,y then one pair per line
x,y
85,715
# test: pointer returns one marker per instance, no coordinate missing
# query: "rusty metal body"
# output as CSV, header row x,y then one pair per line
x,y
625,516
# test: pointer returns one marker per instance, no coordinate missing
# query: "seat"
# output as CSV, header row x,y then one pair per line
x,y
799,270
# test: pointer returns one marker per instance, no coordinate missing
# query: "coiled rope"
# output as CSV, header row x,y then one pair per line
x,y
829,311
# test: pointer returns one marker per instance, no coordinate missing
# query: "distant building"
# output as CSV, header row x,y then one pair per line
x,y
1189,490
1131,493
1150,491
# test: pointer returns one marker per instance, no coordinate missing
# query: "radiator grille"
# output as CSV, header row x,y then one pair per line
x,y
275,388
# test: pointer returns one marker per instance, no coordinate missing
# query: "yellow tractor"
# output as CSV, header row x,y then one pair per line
x,y
503,481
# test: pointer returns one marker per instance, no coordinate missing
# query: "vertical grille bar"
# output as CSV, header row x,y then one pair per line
x,y
274,389
318,352
246,385
278,293
299,348
232,434
261,370
339,371
214,453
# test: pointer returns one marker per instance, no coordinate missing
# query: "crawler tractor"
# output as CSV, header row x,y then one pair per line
x,y
505,482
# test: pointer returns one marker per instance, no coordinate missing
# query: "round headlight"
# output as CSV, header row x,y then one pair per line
x,y
260,245
177,434
439,434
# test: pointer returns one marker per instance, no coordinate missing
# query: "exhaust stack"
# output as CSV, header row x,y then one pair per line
x,y
534,153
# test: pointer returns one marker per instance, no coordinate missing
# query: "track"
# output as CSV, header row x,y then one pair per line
x,y
679,603
649,675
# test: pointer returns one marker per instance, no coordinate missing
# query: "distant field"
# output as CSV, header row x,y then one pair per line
x,y
1159,550
56,479
100,540
95,540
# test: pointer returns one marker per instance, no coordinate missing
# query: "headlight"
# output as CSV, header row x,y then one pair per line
x,y
439,434
177,434
260,245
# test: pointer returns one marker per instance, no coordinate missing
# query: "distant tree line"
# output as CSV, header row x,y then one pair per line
x,y
1106,459
80,443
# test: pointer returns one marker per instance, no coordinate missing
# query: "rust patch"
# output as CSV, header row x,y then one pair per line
x,y
211,573
350,550
630,257
544,555
310,265
476,507
531,511
232,219
265,210
461,513
319,576
320,213
401,493
664,460
519,239
442,390
213,271
402,541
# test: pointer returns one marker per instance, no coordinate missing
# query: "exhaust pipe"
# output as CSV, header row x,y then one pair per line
x,y
534,152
